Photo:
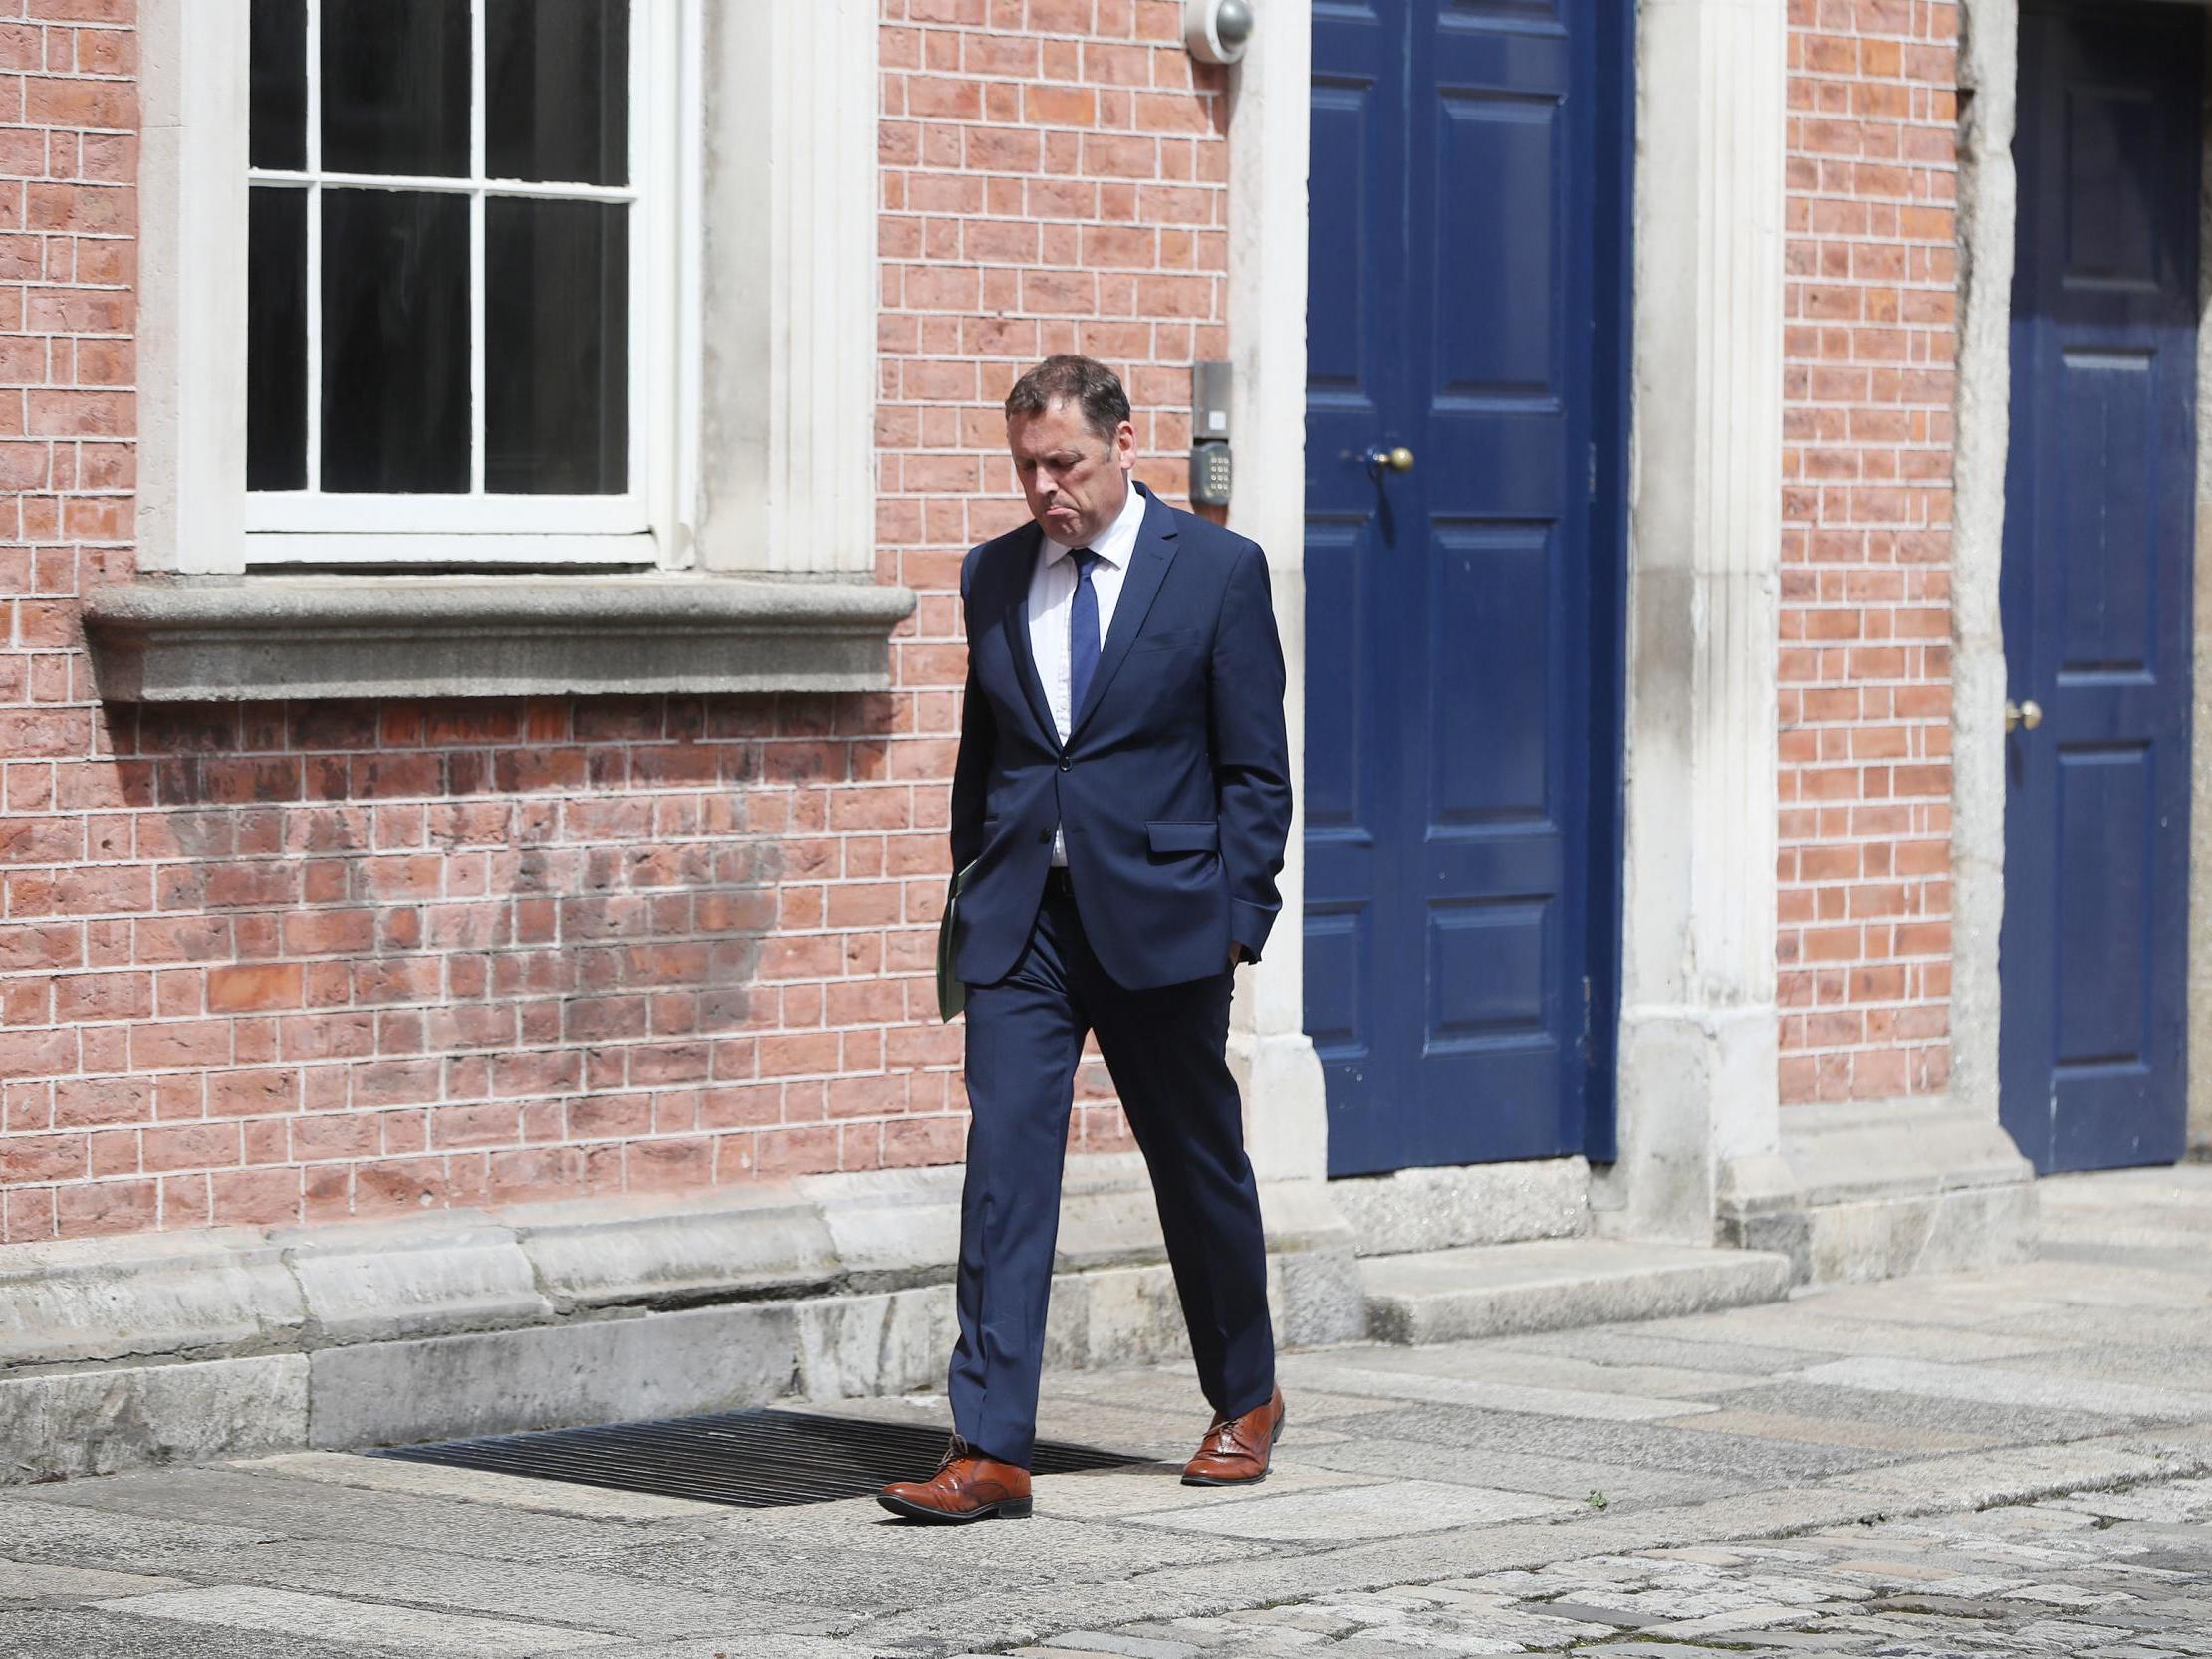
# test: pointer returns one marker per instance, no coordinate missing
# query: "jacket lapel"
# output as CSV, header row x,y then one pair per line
x,y
1019,568
1155,550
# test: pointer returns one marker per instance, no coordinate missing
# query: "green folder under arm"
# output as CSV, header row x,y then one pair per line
x,y
952,996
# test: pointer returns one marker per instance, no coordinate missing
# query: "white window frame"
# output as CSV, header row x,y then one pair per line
x,y
761,436
292,526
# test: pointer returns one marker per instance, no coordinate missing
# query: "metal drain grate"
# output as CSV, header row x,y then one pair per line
x,y
747,1459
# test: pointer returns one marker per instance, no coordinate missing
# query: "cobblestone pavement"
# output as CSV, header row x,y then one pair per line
x,y
2016,1461
2112,1575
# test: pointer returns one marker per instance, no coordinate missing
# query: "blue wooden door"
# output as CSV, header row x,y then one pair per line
x,y
2099,520
1467,190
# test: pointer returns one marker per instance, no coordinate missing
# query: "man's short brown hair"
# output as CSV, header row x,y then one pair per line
x,y
1067,378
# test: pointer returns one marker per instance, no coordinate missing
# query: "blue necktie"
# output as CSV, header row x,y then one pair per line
x,y
1082,633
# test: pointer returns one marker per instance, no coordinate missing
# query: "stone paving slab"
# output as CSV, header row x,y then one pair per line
x,y
1608,1373
380,1626
2126,1363
1555,1477
2063,1328
32,1530
1999,1385
94,1633
198,1497
1120,1492
2184,1500
1175,1399
1833,1333
1935,1415
474,1486
29,1581
1362,1512
1808,1430
602,1600
1660,1345
748,1647
1598,1405
1743,1458
1985,1477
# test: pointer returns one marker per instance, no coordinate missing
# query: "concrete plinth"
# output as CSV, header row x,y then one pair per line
x,y
1451,1296
1864,1192
1470,1203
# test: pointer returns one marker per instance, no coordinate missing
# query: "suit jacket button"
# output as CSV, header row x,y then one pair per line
x,y
1045,837
1066,765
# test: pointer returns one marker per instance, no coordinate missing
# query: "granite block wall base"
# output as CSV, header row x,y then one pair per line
x,y
1881,1190
132,1352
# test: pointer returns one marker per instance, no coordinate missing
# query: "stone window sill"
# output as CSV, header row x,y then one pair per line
x,y
263,638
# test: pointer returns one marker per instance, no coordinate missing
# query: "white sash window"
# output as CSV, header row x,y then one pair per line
x,y
502,286
460,280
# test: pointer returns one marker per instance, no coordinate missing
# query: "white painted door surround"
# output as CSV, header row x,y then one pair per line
x,y
1698,1103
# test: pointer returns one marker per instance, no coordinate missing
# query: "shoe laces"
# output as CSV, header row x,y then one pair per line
x,y
1221,1439
955,1450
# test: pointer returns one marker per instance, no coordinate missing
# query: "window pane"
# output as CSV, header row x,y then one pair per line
x,y
277,132
557,347
276,338
395,341
395,87
557,90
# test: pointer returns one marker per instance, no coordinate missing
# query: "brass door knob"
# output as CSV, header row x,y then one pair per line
x,y
1399,459
2028,714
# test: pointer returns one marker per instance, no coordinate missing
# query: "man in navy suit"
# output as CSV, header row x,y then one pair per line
x,y
1122,796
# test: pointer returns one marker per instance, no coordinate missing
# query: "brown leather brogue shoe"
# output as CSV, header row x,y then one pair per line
x,y
1236,1450
966,1486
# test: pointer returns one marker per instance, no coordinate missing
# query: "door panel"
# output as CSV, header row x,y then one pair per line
x,y
1498,245
2108,838
1488,582
2098,585
1451,624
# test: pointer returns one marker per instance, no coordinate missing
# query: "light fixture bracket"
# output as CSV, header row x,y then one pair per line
x,y
1217,31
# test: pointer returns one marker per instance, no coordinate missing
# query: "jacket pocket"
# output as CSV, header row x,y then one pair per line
x,y
1197,836
1167,639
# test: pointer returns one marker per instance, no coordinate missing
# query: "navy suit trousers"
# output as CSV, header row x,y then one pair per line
x,y
1164,1048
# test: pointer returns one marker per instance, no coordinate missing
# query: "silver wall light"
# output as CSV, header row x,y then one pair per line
x,y
1216,30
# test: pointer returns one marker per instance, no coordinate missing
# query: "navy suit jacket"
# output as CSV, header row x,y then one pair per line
x,y
1173,787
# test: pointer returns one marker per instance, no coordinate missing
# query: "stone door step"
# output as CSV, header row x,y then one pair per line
x,y
1451,1296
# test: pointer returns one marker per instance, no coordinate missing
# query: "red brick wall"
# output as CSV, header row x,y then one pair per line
x,y
68,214
1870,347
261,964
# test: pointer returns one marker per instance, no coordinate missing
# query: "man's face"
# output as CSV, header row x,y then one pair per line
x,y
1077,482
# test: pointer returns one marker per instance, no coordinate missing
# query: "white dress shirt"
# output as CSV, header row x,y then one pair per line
x,y
1051,590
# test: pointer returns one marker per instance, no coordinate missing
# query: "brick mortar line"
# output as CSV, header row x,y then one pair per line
x,y
1823,843
1815,965
1807,1010
1872,198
